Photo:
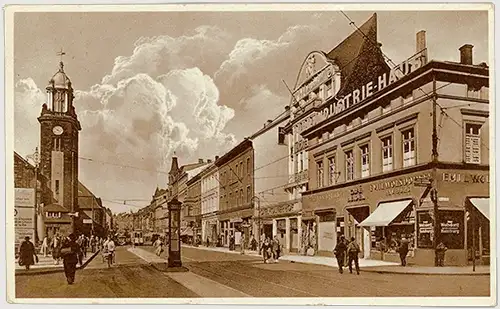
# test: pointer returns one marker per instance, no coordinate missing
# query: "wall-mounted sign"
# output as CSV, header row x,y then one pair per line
x,y
366,91
465,178
24,197
355,195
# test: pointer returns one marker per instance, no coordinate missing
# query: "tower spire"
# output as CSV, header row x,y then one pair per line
x,y
61,53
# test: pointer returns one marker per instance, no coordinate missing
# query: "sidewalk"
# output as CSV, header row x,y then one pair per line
x,y
46,265
367,264
318,260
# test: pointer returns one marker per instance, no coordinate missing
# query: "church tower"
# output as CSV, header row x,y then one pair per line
x,y
59,130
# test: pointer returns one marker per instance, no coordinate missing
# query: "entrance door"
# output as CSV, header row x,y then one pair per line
x,y
268,230
326,232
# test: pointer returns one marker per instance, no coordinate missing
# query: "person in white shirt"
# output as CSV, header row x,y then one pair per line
x,y
109,247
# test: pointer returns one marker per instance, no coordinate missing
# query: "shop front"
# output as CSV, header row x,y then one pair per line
x,y
235,224
381,212
209,229
286,224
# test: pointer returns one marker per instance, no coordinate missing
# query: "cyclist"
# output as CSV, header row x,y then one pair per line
x,y
109,247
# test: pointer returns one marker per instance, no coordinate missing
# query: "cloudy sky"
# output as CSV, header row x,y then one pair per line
x,y
149,84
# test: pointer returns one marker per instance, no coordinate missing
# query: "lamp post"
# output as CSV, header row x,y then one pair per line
x,y
174,233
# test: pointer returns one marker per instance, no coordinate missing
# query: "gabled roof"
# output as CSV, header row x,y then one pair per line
x,y
54,208
359,57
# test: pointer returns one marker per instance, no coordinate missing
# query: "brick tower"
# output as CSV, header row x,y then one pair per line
x,y
59,129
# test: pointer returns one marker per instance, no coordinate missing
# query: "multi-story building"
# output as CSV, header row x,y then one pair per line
x,y
322,78
403,155
274,213
178,178
210,195
235,170
193,206
92,213
160,206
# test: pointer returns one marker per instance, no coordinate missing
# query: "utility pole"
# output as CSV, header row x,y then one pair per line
x,y
36,160
434,191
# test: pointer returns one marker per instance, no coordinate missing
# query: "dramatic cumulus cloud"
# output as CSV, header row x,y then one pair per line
x,y
28,100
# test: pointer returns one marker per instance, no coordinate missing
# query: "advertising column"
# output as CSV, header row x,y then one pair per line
x,y
24,214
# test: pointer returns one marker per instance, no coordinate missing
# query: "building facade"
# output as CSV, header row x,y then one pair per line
x,y
92,212
274,213
378,175
236,192
324,77
210,196
193,206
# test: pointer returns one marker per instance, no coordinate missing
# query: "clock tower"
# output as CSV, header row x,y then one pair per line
x,y
59,130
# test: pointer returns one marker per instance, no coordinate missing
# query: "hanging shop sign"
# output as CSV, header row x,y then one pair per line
x,y
366,91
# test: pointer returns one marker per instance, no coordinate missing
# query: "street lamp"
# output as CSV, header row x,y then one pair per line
x,y
174,233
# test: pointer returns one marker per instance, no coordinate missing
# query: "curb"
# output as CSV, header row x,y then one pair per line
x,y
424,273
45,271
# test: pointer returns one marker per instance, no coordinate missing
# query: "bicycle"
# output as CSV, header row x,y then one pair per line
x,y
110,258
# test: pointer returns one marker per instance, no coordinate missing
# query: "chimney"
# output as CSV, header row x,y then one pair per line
x,y
466,54
200,160
287,108
209,161
421,43
216,158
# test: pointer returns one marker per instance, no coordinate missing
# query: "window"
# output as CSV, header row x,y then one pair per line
x,y
241,169
241,195
249,194
331,171
365,160
349,165
409,148
301,157
387,154
472,145
237,197
248,166
57,189
319,166
53,215
57,144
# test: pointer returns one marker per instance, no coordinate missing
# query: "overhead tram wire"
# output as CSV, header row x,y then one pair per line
x,y
352,23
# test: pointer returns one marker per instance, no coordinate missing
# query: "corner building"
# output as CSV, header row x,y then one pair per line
x,y
371,162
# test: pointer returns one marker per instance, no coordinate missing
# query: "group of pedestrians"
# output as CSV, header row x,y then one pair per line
x,y
349,248
271,250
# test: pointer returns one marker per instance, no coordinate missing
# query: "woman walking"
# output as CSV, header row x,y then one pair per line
x,y
266,250
56,249
70,251
27,253
45,246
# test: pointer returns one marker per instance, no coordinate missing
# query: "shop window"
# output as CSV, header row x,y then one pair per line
x,y
365,160
472,145
409,157
349,165
340,226
452,228
320,177
331,171
387,154
326,217
425,229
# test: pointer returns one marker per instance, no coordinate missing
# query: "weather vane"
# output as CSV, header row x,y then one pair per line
x,y
61,53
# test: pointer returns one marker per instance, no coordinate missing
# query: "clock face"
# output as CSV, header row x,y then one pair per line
x,y
57,130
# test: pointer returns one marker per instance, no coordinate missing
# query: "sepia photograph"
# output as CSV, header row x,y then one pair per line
x,y
250,154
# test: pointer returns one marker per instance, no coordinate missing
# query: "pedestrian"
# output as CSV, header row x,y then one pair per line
x,y
208,241
27,253
109,247
276,249
242,243
440,252
70,251
353,254
339,252
81,246
56,249
45,246
266,250
158,246
92,243
403,250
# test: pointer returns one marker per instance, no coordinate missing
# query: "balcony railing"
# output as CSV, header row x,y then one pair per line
x,y
298,177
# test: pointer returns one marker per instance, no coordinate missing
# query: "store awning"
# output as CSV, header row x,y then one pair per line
x,y
385,213
482,204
